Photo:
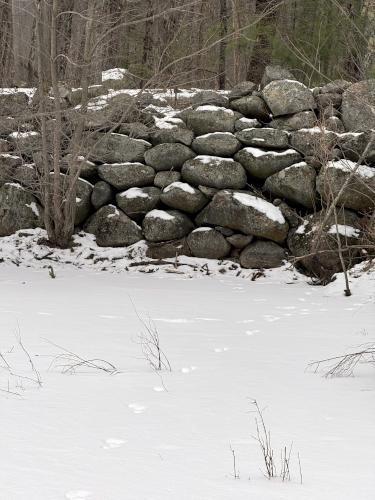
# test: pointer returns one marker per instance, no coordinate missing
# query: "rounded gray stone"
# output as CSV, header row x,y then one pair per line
x,y
206,119
262,163
262,255
168,156
183,196
295,183
126,175
264,137
19,209
214,172
101,195
244,212
358,106
137,201
285,97
252,107
166,177
205,242
112,228
164,225
217,144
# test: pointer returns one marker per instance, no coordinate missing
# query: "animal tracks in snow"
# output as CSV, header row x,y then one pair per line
x,y
112,443
137,408
251,332
221,349
188,369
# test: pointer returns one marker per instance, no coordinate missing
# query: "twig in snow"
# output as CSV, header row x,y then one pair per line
x,y
69,361
344,365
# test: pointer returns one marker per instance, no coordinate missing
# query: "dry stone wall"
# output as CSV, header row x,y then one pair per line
x,y
244,175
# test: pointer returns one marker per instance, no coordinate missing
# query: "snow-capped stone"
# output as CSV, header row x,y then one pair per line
x,y
246,213
215,172
359,191
183,196
209,244
137,201
261,163
217,144
112,228
164,225
264,137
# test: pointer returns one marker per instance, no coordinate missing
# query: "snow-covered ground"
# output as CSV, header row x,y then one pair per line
x,y
143,435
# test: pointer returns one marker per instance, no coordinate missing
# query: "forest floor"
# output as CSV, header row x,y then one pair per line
x,y
74,431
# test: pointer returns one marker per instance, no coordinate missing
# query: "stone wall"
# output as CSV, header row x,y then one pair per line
x,y
243,175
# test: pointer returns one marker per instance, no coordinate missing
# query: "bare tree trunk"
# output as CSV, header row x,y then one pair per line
x,y
223,43
23,19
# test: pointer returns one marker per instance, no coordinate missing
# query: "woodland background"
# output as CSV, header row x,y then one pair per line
x,y
199,43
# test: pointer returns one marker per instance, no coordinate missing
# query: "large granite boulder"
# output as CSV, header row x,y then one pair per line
x,y
264,137
313,141
208,118
252,106
167,249
25,142
168,156
359,193
217,144
358,106
135,130
295,183
261,163
303,119
314,242
83,201
285,97
13,104
274,72
262,255
171,130
116,148
246,213
183,196
125,175
243,123
166,177
138,201
207,243
164,225
102,194
112,228
19,209
214,172
86,169
209,97
242,89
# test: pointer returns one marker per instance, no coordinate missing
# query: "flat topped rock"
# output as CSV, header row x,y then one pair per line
x,y
285,97
214,172
126,175
216,143
261,163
